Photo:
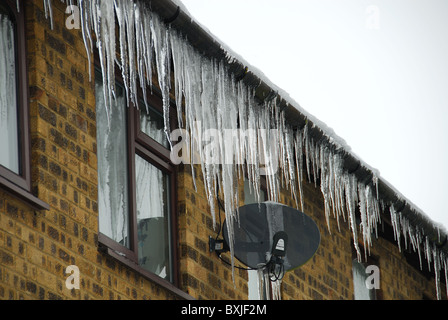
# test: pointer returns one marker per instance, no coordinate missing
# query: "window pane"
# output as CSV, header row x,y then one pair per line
x,y
113,200
151,123
250,195
9,137
153,218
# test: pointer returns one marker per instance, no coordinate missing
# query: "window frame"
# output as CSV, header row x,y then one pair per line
x,y
138,143
19,185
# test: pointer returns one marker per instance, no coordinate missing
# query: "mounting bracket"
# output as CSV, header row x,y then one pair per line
x,y
218,246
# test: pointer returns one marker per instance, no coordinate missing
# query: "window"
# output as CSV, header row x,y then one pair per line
x,y
136,184
15,169
9,126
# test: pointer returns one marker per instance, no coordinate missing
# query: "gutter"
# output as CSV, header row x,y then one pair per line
x,y
176,15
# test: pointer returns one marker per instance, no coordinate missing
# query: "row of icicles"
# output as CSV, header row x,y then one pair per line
x,y
214,99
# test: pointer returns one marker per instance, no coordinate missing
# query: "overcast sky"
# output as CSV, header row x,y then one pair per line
x,y
376,71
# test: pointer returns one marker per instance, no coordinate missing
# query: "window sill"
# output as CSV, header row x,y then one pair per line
x,y
22,194
148,275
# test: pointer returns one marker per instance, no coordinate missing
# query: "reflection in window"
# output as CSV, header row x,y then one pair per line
x,y
151,123
113,196
152,194
9,135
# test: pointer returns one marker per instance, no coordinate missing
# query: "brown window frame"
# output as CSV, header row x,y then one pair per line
x,y
156,154
19,185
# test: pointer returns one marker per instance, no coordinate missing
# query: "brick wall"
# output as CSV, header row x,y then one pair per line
x,y
37,246
328,275
204,275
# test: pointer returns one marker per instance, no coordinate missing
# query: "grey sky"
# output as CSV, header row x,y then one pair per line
x,y
375,71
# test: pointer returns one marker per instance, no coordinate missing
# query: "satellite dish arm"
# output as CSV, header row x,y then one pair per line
x,y
275,266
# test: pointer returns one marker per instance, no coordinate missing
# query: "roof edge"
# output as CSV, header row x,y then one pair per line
x,y
201,39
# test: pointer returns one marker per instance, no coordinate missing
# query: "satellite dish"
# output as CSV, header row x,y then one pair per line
x,y
272,230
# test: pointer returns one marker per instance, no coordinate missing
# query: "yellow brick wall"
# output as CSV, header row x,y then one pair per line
x,y
203,274
37,246
328,275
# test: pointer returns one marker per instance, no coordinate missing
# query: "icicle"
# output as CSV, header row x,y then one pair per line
x,y
307,151
315,153
148,49
298,147
161,48
339,188
276,290
395,225
104,26
364,217
428,252
418,237
140,47
178,51
351,197
329,158
289,145
86,36
325,185
436,258
122,10
375,183
49,11
405,229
